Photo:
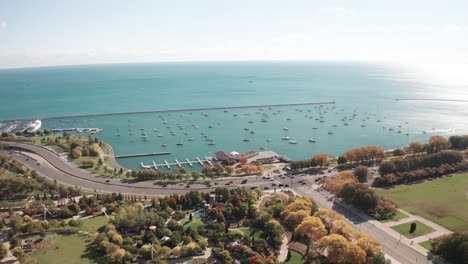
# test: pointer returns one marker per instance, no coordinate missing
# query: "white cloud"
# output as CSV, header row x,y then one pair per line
x,y
3,24
337,9
453,28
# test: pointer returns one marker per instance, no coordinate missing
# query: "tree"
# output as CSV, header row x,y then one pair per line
x,y
438,143
342,160
415,147
3,251
340,250
145,251
459,142
386,167
361,173
453,247
320,159
311,228
336,182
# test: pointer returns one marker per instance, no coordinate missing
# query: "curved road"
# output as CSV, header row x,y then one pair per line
x,y
57,166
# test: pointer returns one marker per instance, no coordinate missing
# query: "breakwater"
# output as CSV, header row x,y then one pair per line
x,y
142,154
433,100
166,111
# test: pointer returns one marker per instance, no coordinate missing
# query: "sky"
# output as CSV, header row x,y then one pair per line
x,y
45,32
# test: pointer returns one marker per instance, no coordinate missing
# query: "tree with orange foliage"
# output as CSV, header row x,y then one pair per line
x,y
415,147
320,159
369,153
335,183
438,143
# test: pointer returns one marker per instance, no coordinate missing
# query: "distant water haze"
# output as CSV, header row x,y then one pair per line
x,y
364,95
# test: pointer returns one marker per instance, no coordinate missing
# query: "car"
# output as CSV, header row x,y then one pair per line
x,y
107,180
231,182
303,183
187,186
271,179
253,187
227,183
164,185
274,184
215,183
286,185
244,181
266,187
280,185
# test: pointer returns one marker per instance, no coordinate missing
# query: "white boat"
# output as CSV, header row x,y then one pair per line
x,y
190,139
286,138
163,145
246,139
212,143
269,140
179,143
252,132
160,135
330,133
312,140
33,126
285,128
292,142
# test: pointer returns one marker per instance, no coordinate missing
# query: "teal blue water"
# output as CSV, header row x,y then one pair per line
x,y
367,91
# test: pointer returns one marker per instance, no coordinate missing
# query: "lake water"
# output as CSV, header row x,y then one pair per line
x,y
364,96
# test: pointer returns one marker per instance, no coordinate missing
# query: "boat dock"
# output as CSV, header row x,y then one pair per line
x,y
207,160
143,154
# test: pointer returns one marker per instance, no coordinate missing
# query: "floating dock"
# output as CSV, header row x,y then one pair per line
x,y
207,160
142,154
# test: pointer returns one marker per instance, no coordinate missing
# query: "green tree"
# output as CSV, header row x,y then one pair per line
x,y
453,247
342,160
361,173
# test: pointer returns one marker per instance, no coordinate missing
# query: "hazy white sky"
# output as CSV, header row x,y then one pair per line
x,y
46,32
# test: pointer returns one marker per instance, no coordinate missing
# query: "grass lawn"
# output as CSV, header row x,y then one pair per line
x,y
248,231
65,249
93,224
443,200
426,244
296,258
195,223
421,229
397,216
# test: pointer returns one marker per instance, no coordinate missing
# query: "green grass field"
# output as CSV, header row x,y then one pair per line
x,y
443,200
93,224
65,249
421,229
426,244
248,232
397,216
296,258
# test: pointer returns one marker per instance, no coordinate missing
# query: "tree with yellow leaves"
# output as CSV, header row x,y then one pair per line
x,y
311,228
328,217
295,218
369,245
339,250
